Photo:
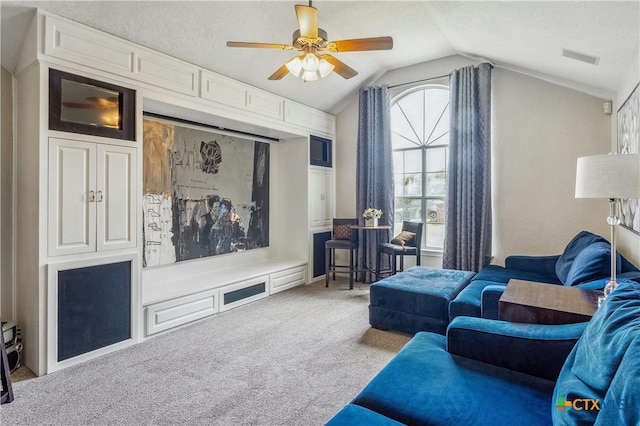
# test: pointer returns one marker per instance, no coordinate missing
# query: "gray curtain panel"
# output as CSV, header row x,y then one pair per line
x,y
374,168
468,211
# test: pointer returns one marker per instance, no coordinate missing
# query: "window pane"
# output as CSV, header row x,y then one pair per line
x,y
435,211
436,101
441,129
412,183
436,160
434,235
398,162
412,106
436,184
413,161
439,140
403,135
407,209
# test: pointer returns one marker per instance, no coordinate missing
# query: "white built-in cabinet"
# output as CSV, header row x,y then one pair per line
x,y
91,197
320,196
78,196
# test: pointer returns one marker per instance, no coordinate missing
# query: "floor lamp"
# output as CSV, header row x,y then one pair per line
x,y
613,177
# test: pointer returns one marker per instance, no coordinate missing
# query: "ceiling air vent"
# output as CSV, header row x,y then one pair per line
x,y
582,57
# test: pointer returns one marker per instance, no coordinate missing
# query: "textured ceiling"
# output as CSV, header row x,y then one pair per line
x,y
525,36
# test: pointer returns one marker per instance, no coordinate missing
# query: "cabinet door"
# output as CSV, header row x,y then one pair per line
x,y
327,200
115,197
72,182
320,197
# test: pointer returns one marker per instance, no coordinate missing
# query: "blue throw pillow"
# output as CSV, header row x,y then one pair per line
x,y
599,379
592,263
575,246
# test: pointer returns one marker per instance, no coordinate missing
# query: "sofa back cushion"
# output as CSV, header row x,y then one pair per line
x,y
592,263
582,240
599,380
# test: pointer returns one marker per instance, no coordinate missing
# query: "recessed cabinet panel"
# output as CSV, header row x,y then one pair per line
x,y
324,122
71,179
182,310
78,45
170,74
222,90
264,103
298,114
310,118
287,279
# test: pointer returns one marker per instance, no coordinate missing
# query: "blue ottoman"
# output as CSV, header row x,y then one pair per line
x,y
416,299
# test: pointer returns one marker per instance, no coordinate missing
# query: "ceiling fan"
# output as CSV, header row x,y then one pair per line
x,y
312,41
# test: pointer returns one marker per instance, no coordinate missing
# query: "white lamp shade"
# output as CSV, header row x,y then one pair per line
x,y
608,176
295,66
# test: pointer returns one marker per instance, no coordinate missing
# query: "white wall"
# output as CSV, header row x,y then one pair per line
x,y
628,242
539,131
6,200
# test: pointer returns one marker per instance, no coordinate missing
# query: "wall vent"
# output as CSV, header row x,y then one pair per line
x,y
582,57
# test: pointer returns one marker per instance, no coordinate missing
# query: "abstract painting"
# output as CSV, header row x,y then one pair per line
x,y
629,143
206,193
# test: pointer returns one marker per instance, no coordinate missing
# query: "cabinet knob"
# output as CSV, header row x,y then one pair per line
x,y
92,196
100,196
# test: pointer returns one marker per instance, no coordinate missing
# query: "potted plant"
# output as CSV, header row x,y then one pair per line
x,y
371,216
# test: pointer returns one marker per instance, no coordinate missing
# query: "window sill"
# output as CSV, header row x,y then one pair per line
x,y
431,252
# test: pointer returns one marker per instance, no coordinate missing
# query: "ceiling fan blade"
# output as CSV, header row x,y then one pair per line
x,y
340,67
357,44
259,45
280,73
307,21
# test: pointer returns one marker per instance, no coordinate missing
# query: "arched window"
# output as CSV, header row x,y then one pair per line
x,y
420,139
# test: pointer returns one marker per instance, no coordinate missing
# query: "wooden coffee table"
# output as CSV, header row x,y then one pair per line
x,y
539,303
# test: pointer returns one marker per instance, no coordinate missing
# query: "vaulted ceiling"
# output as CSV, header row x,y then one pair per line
x,y
522,35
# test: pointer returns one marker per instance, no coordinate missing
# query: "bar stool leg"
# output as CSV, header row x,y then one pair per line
x,y
351,268
327,266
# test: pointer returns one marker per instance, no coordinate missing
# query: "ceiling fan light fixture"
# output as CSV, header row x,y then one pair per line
x,y
311,62
309,67
310,76
325,68
295,66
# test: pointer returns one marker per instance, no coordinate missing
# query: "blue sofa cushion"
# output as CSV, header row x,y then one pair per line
x,y
604,365
468,302
592,263
356,415
500,274
424,384
582,240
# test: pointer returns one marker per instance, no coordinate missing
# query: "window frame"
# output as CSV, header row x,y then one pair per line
x,y
423,149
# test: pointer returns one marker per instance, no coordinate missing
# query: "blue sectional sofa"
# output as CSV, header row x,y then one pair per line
x,y
585,262
488,372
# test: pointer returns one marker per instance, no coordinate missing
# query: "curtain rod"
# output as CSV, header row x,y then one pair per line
x,y
419,81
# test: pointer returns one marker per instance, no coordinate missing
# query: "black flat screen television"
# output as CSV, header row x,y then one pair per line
x,y
80,104
319,151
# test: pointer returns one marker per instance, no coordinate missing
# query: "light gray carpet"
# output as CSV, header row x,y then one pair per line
x,y
295,358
